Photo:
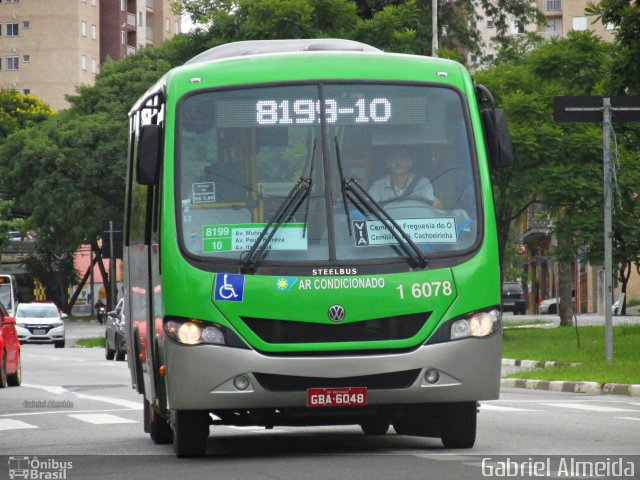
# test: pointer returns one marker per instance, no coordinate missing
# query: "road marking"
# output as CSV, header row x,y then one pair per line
x,y
591,408
496,408
629,418
9,424
101,418
65,411
98,398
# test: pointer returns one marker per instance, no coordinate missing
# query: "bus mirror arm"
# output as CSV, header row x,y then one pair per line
x,y
149,154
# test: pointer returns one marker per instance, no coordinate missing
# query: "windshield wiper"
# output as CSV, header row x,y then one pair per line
x,y
362,200
365,200
287,208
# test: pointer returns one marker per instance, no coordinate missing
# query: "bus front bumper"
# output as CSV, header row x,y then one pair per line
x,y
202,376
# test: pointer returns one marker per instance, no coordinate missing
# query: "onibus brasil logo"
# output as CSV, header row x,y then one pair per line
x,y
35,469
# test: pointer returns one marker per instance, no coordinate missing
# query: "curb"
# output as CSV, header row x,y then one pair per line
x,y
588,388
509,362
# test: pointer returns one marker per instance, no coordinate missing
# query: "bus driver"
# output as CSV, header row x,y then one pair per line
x,y
401,182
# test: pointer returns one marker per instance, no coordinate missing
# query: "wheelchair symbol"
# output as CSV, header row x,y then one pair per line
x,y
227,291
229,287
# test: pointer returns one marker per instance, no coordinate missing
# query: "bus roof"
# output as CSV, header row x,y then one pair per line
x,y
263,47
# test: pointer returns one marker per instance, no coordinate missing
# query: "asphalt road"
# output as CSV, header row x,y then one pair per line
x,y
95,422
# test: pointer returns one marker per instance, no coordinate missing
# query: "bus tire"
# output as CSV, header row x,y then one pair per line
x,y
375,427
146,416
159,428
190,432
459,425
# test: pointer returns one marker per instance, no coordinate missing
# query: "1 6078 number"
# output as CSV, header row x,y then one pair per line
x,y
427,289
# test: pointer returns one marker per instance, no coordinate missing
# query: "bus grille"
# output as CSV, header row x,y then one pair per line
x,y
382,381
290,331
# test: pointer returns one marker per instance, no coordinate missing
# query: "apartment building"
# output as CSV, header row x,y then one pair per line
x,y
561,16
128,25
49,47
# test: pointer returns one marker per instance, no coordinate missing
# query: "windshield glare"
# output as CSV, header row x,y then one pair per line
x,y
37,311
241,152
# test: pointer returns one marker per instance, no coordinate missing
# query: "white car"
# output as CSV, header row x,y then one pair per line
x,y
40,323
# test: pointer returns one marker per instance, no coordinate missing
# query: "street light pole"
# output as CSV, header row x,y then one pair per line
x,y
434,28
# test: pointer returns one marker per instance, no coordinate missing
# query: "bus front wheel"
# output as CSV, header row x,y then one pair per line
x,y
458,427
158,428
190,432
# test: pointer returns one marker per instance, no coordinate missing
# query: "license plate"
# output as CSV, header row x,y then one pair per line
x,y
337,397
39,331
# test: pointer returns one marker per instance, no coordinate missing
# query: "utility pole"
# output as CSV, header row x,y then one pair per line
x,y
599,109
608,250
434,28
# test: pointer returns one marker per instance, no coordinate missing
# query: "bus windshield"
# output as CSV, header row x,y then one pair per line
x,y
242,156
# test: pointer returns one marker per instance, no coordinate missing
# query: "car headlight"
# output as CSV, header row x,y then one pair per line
x,y
194,332
480,324
21,325
58,323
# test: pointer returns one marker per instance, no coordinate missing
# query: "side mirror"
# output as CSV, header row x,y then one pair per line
x,y
497,138
149,154
64,316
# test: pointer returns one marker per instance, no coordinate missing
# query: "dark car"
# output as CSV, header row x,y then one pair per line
x,y
513,298
10,365
116,344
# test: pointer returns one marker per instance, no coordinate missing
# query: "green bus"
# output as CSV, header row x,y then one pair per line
x,y
310,239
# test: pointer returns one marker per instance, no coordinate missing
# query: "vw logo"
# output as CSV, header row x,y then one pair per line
x,y
336,313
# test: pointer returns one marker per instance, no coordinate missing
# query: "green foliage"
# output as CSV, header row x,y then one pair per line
x,y
624,15
559,165
393,25
20,111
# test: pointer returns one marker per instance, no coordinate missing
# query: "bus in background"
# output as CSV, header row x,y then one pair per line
x,y
9,293
310,239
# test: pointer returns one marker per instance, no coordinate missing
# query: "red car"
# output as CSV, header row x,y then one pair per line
x,y
10,368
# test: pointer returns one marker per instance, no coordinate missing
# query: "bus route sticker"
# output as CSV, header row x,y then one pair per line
x,y
420,230
228,287
241,237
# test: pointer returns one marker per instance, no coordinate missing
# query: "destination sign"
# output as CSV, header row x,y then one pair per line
x,y
241,237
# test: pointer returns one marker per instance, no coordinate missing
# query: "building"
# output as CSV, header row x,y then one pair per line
x,y
561,16
47,48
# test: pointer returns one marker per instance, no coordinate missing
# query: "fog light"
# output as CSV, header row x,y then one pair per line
x,y
432,376
241,382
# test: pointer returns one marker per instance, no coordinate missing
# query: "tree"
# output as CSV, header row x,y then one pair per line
x,y
624,15
17,111
393,25
69,172
558,165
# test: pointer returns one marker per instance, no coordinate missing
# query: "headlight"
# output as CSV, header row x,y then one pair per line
x,y
21,325
58,323
480,324
194,332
